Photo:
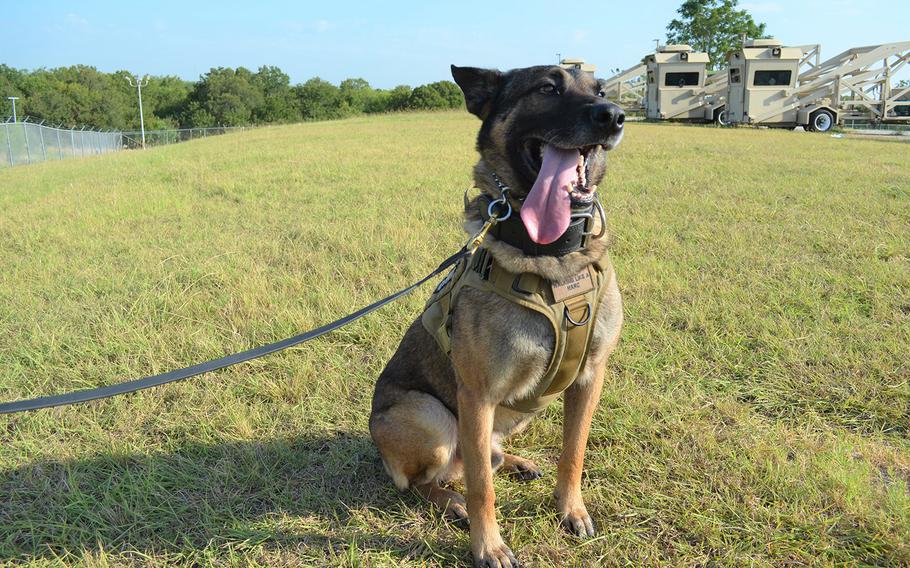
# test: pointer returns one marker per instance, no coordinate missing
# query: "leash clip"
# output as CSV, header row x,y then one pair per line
x,y
493,218
477,240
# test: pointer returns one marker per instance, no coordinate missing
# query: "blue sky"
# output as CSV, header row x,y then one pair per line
x,y
390,43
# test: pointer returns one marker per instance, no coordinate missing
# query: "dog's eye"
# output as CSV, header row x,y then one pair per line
x,y
549,90
601,94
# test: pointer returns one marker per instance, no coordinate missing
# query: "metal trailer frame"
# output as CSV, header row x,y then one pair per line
x,y
853,85
627,88
714,97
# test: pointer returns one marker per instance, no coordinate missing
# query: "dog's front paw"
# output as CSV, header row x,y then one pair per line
x,y
578,522
499,556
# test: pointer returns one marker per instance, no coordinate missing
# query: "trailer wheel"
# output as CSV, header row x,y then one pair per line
x,y
821,121
720,117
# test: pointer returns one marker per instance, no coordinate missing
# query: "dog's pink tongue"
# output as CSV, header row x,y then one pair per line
x,y
547,209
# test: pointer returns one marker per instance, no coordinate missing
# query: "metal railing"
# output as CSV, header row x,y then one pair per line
x,y
26,142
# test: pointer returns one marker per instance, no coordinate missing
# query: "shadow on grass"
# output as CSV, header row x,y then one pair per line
x,y
180,502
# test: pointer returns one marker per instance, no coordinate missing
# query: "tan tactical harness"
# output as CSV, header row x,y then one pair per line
x,y
571,307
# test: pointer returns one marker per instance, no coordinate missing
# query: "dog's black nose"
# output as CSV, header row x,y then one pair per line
x,y
608,116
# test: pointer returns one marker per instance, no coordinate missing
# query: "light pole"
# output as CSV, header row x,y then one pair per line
x,y
14,99
139,85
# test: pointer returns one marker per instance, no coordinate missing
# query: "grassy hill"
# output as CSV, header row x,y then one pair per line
x,y
756,412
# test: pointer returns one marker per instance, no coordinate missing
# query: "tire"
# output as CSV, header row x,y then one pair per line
x,y
820,121
720,117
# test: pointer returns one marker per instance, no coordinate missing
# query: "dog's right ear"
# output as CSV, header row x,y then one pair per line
x,y
479,87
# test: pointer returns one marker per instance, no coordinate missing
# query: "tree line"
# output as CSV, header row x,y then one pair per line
x,y
82,95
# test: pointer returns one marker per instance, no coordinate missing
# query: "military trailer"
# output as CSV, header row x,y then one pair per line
x,y
568,63
768,86
678,88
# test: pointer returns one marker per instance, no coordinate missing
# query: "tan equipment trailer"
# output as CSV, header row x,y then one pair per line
x,y
577,64
766,86
679,88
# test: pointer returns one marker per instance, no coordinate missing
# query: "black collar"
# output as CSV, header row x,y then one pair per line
x,y
512,232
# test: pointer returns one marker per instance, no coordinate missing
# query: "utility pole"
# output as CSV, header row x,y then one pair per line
x,y
14,99
656,45
558,58
139,85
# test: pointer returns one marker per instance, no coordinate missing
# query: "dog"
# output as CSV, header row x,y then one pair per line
x,y
471,370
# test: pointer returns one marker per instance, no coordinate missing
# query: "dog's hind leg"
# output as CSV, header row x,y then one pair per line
x,y
450,502
417,437
520,468
507,423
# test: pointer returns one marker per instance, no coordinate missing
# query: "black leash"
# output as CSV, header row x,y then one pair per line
x,y
221,363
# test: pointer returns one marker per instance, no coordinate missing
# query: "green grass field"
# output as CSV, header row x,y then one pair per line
x,y
756,412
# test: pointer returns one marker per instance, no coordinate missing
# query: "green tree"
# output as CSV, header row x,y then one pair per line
x,y
398,98
318,99
449,92
355,95
438,95
713,26
10,81
164,100
279,104
228,96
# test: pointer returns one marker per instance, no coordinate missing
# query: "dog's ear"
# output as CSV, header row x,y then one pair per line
x,y
479,87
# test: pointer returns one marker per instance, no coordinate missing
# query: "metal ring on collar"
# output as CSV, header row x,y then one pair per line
x,y
584,320
503,201
603,217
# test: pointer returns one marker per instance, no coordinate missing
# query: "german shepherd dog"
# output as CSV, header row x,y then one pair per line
x,y
437,417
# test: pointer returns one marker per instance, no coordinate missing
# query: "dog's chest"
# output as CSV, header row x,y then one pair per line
x,y
527,337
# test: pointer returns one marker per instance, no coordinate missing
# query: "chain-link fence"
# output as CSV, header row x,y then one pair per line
x,y
28,143
161,137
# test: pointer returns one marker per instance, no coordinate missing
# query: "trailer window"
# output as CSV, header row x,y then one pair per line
x,y
771,78
735,76
681,79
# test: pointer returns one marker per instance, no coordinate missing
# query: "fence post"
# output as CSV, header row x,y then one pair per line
x,y
28,151
9,145
73,140
98,139
82,140
43,145
59,144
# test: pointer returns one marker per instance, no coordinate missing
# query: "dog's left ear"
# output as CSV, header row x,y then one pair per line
x,y
479,87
